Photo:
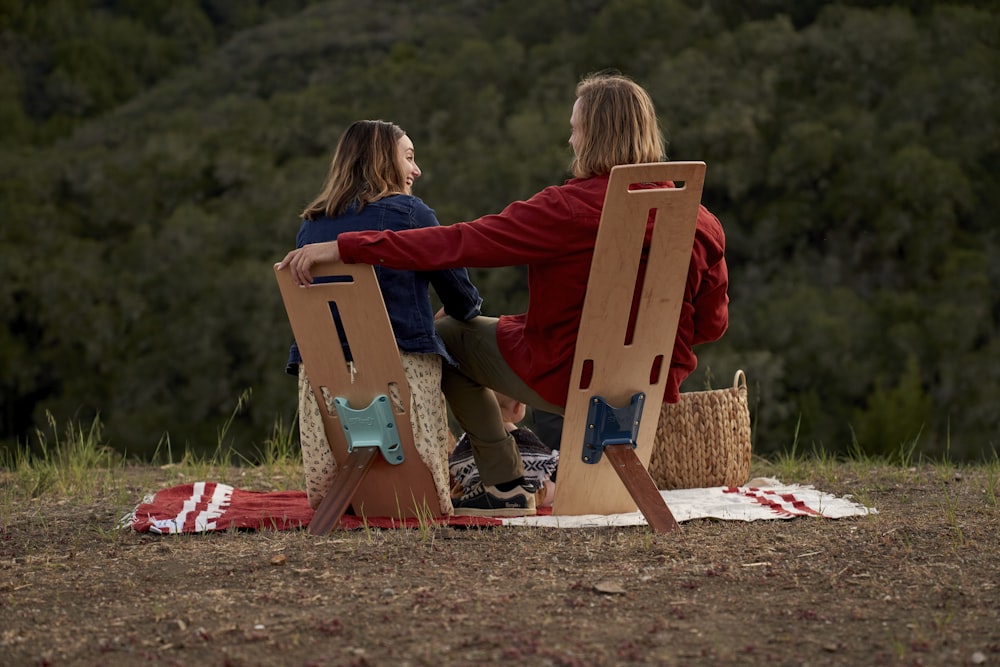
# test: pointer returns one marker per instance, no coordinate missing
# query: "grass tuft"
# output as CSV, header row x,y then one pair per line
x,y
64,462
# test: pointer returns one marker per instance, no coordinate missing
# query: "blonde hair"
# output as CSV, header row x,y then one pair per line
x,y
617,125
364,169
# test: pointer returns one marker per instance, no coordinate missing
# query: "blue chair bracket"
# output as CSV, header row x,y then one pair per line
x,y
608,425
374,426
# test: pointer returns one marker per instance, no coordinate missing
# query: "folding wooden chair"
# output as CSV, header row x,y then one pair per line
x,y
618,380
379,471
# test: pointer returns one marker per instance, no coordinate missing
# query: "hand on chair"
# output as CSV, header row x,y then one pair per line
x,y
302,259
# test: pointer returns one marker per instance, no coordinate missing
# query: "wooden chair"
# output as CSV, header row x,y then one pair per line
x,y
617,384
379,471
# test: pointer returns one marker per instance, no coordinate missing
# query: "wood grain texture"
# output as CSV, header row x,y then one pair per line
x,y
342,489
404,490
621,369
641,488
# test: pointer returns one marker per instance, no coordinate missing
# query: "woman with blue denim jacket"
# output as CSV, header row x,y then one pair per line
x,y
369,187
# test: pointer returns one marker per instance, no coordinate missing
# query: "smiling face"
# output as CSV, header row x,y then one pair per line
x,y
407,162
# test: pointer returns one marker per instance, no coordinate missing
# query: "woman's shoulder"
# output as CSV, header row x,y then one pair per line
x,y
416,211
401,202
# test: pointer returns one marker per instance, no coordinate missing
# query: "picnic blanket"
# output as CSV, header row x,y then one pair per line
x,y
204,507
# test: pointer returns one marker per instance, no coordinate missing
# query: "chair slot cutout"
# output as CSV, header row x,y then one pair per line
x,y
326,280
396,399
669,185
655,369
328,404
586,373
341,333
640,279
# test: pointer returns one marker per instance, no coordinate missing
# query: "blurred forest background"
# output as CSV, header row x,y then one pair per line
x,y
154,155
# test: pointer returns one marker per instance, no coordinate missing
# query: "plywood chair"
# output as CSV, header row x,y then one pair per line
x,y
618,380
379,471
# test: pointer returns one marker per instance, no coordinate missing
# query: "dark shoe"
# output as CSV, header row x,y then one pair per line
x,y
489,501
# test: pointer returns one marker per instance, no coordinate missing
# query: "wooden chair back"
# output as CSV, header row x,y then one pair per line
x,y
345,303
609,362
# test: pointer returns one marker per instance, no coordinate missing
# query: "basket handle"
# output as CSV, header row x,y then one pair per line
x,y
740,380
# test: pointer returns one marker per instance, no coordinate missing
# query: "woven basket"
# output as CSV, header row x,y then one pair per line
x,y
703,440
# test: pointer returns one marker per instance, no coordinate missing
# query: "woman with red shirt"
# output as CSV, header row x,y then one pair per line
x,y
529,356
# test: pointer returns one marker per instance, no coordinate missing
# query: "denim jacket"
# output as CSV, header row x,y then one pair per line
x,y
405,292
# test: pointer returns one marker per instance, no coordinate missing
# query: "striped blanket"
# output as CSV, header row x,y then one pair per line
x,y
209,506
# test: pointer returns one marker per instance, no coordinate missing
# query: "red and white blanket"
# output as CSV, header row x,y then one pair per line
x,y
209,506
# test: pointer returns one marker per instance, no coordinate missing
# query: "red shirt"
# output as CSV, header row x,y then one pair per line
x,y
553,233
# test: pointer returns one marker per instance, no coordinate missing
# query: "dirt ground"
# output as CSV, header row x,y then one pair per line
x,y
918,583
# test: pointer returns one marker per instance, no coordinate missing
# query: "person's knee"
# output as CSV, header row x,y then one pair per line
x,y
465,341
449,329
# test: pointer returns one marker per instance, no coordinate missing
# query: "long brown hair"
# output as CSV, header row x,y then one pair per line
x,y
364,169
618,125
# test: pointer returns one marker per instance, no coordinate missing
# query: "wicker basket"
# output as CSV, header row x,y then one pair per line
x,y
703,440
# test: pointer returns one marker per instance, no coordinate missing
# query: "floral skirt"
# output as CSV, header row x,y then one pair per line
x,y
431,436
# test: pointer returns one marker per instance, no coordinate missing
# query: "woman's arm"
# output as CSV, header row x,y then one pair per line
x,y
459,296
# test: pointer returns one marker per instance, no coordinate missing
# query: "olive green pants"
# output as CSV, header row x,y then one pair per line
x,y
481,368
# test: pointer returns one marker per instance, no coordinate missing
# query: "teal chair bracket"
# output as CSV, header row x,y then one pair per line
x,y
373,426
608,425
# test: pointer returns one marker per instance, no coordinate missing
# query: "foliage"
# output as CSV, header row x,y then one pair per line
x,y
155,154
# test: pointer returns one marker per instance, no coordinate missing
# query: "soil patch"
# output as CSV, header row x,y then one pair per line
x,y
918,583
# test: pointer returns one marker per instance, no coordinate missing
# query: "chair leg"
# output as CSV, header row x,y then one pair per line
x,y
640,486
342,488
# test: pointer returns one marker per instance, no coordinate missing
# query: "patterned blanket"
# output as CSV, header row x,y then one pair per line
x,y
208,506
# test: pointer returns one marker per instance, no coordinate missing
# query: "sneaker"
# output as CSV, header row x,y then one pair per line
x,y
490,501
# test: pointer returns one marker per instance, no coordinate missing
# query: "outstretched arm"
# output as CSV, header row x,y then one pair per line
x,y
302,259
